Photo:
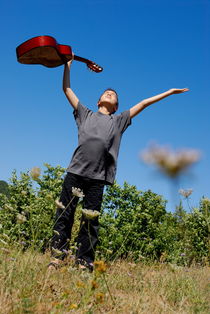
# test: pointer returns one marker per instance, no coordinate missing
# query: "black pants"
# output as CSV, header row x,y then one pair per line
x,y
88,235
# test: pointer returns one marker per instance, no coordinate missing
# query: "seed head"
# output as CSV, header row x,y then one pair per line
x,y
59,204
170,163
77,192
90,214
185,193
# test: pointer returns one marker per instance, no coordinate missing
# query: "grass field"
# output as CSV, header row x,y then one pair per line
x,y
27,286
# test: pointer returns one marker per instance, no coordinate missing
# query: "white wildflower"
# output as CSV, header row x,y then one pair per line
x,y
35,173
77,192
169,162
59,204
185,193
90,214
21,218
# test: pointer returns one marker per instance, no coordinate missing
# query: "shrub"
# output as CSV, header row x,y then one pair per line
x,y
27,216
133,223
4,188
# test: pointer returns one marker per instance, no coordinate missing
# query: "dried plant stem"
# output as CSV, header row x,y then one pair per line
x,y
44,285
107,286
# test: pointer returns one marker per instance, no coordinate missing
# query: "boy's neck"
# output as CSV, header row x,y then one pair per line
x,y
104,110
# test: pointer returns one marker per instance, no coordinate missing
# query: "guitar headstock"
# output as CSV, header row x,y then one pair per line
x,y
94,67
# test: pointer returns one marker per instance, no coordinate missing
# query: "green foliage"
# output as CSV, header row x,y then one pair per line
x,y
27,216
133,223
4,188
136,224
130,222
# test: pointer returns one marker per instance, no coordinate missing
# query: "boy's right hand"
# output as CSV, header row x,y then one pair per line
x,y
70,61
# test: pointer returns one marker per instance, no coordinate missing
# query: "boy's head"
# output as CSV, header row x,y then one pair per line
x,y
109,96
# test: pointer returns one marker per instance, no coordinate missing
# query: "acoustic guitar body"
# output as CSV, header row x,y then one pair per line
x,y
43,50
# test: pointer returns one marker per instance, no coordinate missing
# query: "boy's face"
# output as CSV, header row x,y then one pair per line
x,y
110,97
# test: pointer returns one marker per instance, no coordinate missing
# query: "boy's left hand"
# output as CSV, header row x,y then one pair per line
x,y
178,90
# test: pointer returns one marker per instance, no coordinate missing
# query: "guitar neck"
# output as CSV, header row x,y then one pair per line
x,y
91,65
77,58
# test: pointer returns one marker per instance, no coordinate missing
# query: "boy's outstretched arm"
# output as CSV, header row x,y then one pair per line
x,y
72,98
146,102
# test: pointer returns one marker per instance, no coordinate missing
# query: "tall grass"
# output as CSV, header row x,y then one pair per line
x,y
28,286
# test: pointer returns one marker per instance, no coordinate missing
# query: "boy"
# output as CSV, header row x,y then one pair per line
x,y
93,165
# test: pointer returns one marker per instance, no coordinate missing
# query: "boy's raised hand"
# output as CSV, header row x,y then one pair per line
x,y
179,90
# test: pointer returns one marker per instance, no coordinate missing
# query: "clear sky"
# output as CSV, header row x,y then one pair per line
x,y
146,47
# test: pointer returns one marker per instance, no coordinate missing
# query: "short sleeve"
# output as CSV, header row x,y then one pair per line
x,y
124,120
81,113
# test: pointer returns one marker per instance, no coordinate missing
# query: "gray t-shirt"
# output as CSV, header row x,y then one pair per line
x,y
99,137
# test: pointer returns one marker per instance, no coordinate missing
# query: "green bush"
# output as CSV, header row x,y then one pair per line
x,y
134,224
130,222
4,188
27,216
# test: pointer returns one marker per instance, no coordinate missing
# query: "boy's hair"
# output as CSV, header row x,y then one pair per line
x,y
111,89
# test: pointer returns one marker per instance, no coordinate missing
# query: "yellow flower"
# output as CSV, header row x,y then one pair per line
x,y
99,297
80,284
100,266
35,173
73,306
94,284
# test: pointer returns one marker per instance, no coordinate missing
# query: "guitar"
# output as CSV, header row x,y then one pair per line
x,y
46,51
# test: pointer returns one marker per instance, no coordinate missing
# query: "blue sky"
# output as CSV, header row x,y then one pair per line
x,y
145,47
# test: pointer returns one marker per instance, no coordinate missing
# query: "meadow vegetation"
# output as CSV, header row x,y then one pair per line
x,y
148,260
123,286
